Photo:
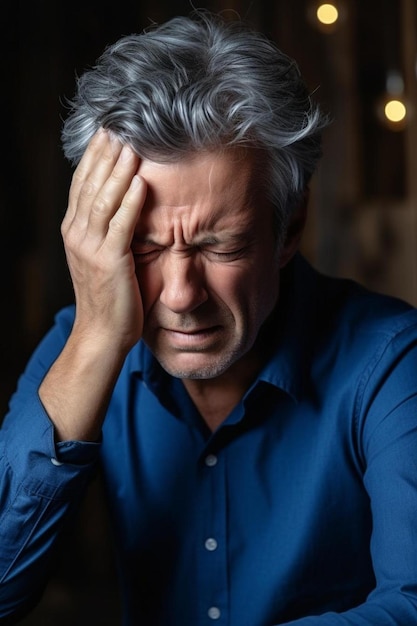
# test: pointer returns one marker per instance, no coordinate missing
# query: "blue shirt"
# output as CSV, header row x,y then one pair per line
x,y
301,508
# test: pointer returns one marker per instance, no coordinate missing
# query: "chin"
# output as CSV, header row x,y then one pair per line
x,y
212,368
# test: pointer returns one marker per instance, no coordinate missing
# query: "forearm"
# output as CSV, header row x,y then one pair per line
x,y
76,391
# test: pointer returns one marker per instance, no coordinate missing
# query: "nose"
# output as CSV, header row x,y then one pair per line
x,y
183,282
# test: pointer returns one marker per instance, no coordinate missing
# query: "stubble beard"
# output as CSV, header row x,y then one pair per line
x,y
217,365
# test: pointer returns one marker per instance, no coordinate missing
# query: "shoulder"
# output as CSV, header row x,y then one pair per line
x,y
342,306
360,312
367,343
346,326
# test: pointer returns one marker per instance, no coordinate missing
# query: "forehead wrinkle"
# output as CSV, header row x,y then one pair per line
x,y
219,203
210,177
232,216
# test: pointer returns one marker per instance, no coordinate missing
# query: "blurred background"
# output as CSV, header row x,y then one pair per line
x,y
359,57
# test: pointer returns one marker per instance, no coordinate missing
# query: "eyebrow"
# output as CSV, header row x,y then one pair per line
x,y
211,239
204,239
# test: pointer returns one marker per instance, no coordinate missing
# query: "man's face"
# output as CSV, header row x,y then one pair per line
x,y
206,262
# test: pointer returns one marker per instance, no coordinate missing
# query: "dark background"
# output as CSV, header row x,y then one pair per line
x,y
363,212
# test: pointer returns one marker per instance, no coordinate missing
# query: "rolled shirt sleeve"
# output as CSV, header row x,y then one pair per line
x,y
40,483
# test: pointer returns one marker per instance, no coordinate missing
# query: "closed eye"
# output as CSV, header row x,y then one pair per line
x,y
145,254
224,255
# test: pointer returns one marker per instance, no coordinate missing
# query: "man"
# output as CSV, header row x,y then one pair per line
x,y
255,422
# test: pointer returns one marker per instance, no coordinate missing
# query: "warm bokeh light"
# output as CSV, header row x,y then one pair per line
x,y
327,14
395,111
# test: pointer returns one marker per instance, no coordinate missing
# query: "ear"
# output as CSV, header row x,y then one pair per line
x,y
294,231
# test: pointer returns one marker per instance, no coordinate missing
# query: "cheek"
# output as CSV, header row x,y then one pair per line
x,y
226,281
246,291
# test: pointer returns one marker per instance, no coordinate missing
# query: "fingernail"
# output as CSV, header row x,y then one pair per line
x,y
126,153
135,182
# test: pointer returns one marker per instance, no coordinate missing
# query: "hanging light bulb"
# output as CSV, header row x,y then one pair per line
x,y
327,14
392,108
395,111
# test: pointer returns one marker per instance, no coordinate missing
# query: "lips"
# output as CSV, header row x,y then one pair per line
x,y
196,338
192,331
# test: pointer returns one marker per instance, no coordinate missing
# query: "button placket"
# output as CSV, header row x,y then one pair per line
x,y
213,566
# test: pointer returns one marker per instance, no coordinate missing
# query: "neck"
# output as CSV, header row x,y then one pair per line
x,y
216,397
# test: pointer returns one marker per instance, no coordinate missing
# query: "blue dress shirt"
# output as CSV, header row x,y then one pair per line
x,y
301,508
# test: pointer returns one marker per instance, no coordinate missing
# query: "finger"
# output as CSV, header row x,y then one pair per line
x,y
93,176
93,169
122,225
109,198
90,156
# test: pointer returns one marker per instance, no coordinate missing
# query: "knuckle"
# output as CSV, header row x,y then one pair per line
x,y
71,239
88,189
100,206
118,175
64,227
116,224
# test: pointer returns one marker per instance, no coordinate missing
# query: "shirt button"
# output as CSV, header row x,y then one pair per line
x,y
214,612
211,460
211,544
55,462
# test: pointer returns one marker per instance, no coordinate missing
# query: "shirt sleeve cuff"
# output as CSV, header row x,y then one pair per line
x,y
76,452
38,464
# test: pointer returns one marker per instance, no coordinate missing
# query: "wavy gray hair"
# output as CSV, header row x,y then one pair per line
x,y
198,83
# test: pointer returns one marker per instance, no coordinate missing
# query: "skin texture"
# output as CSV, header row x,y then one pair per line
x,y
206,263
183,253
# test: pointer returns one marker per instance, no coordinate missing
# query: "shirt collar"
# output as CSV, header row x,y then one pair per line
x,y
291,329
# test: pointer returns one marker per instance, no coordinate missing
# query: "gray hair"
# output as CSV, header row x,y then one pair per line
x,y
201,83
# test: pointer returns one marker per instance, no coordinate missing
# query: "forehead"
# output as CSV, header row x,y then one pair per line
x,y
223,181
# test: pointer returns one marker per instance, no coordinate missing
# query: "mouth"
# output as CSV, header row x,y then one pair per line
x,y
191,339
